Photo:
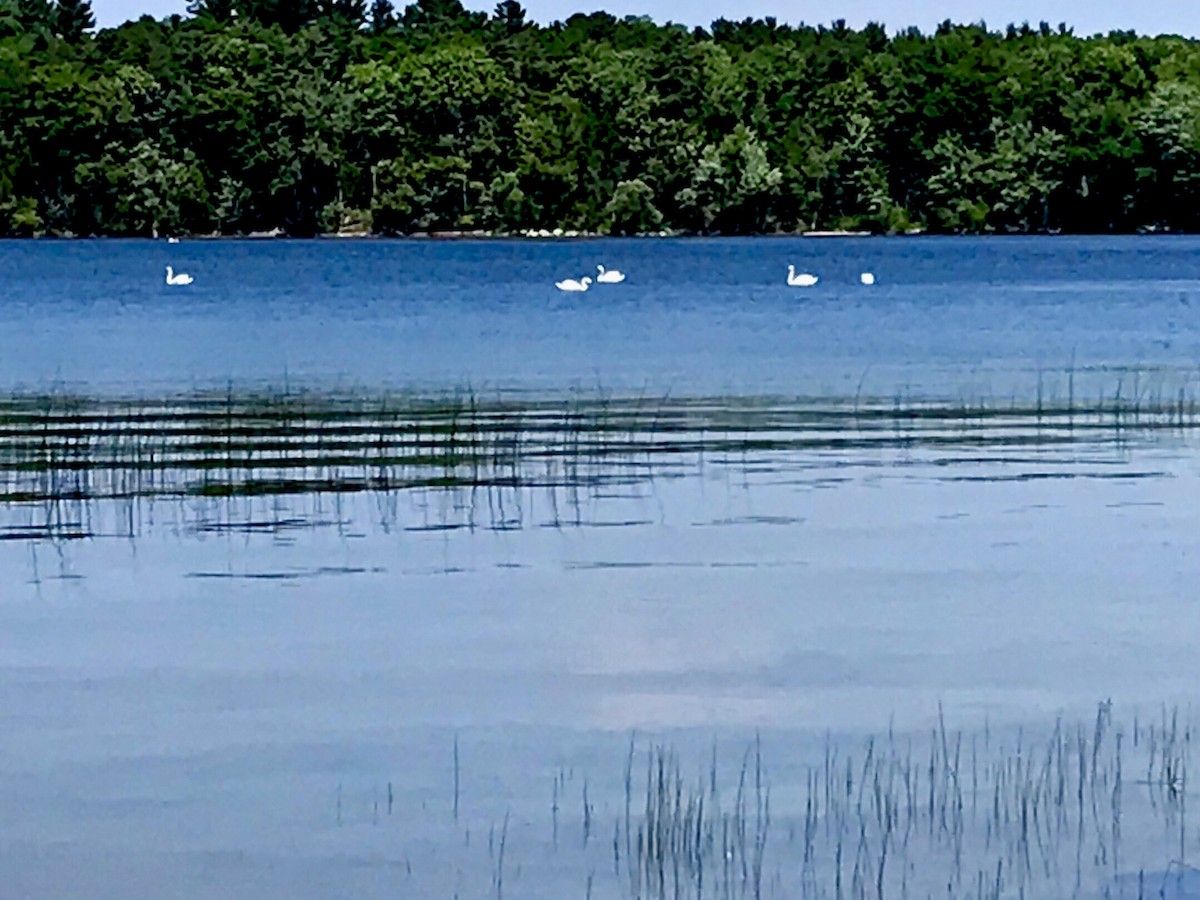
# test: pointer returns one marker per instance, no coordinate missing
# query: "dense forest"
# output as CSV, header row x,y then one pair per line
x,y
318,116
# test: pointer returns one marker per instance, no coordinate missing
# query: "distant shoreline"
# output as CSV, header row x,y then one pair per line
x,y
434,122
451,236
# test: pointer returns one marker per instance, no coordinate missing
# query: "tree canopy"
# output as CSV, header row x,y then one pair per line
x,y
315,116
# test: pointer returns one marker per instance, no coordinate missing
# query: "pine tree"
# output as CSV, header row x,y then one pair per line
x,y
510,15
434,13
383,16
73,19
219,10
290,15
353,12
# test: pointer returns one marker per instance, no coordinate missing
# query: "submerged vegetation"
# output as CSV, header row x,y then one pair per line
x,y
313,116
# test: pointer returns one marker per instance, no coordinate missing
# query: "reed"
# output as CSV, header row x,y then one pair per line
x,y
493,462
957,814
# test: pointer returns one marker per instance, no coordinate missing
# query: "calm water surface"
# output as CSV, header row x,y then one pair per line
x,y
947,317
390,644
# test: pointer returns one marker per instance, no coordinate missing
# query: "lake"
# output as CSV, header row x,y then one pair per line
x,y
383,568
947,317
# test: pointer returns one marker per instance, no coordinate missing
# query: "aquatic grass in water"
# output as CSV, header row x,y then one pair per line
x,y
60,455
1087,809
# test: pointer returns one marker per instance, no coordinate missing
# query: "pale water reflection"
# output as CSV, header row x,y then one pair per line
x,y
242,660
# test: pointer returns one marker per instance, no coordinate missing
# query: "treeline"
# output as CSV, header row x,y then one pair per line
x,y
315,116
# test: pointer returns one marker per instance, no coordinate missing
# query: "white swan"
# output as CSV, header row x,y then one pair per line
x,y
571,284
172,240
801,280
612,276
180,278
867,278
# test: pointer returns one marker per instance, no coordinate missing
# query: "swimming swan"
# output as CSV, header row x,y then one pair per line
x,y
181,278
867,278
609,277
572,285
801,280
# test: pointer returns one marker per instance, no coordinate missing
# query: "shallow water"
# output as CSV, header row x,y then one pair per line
x,y
245,636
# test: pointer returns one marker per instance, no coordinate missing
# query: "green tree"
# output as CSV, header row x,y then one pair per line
x,y
441,16
631,209
346,12
311,115
1007,186
383,17
732,185
510,16
73,19
217,10
144,190
27,16
1168,166
420,195
18,215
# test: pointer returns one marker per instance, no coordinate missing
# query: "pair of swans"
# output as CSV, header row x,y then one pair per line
x,y
604,276
804,279
178,278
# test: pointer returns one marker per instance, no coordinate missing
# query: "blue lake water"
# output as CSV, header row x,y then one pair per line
x,y
382,568
947,317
